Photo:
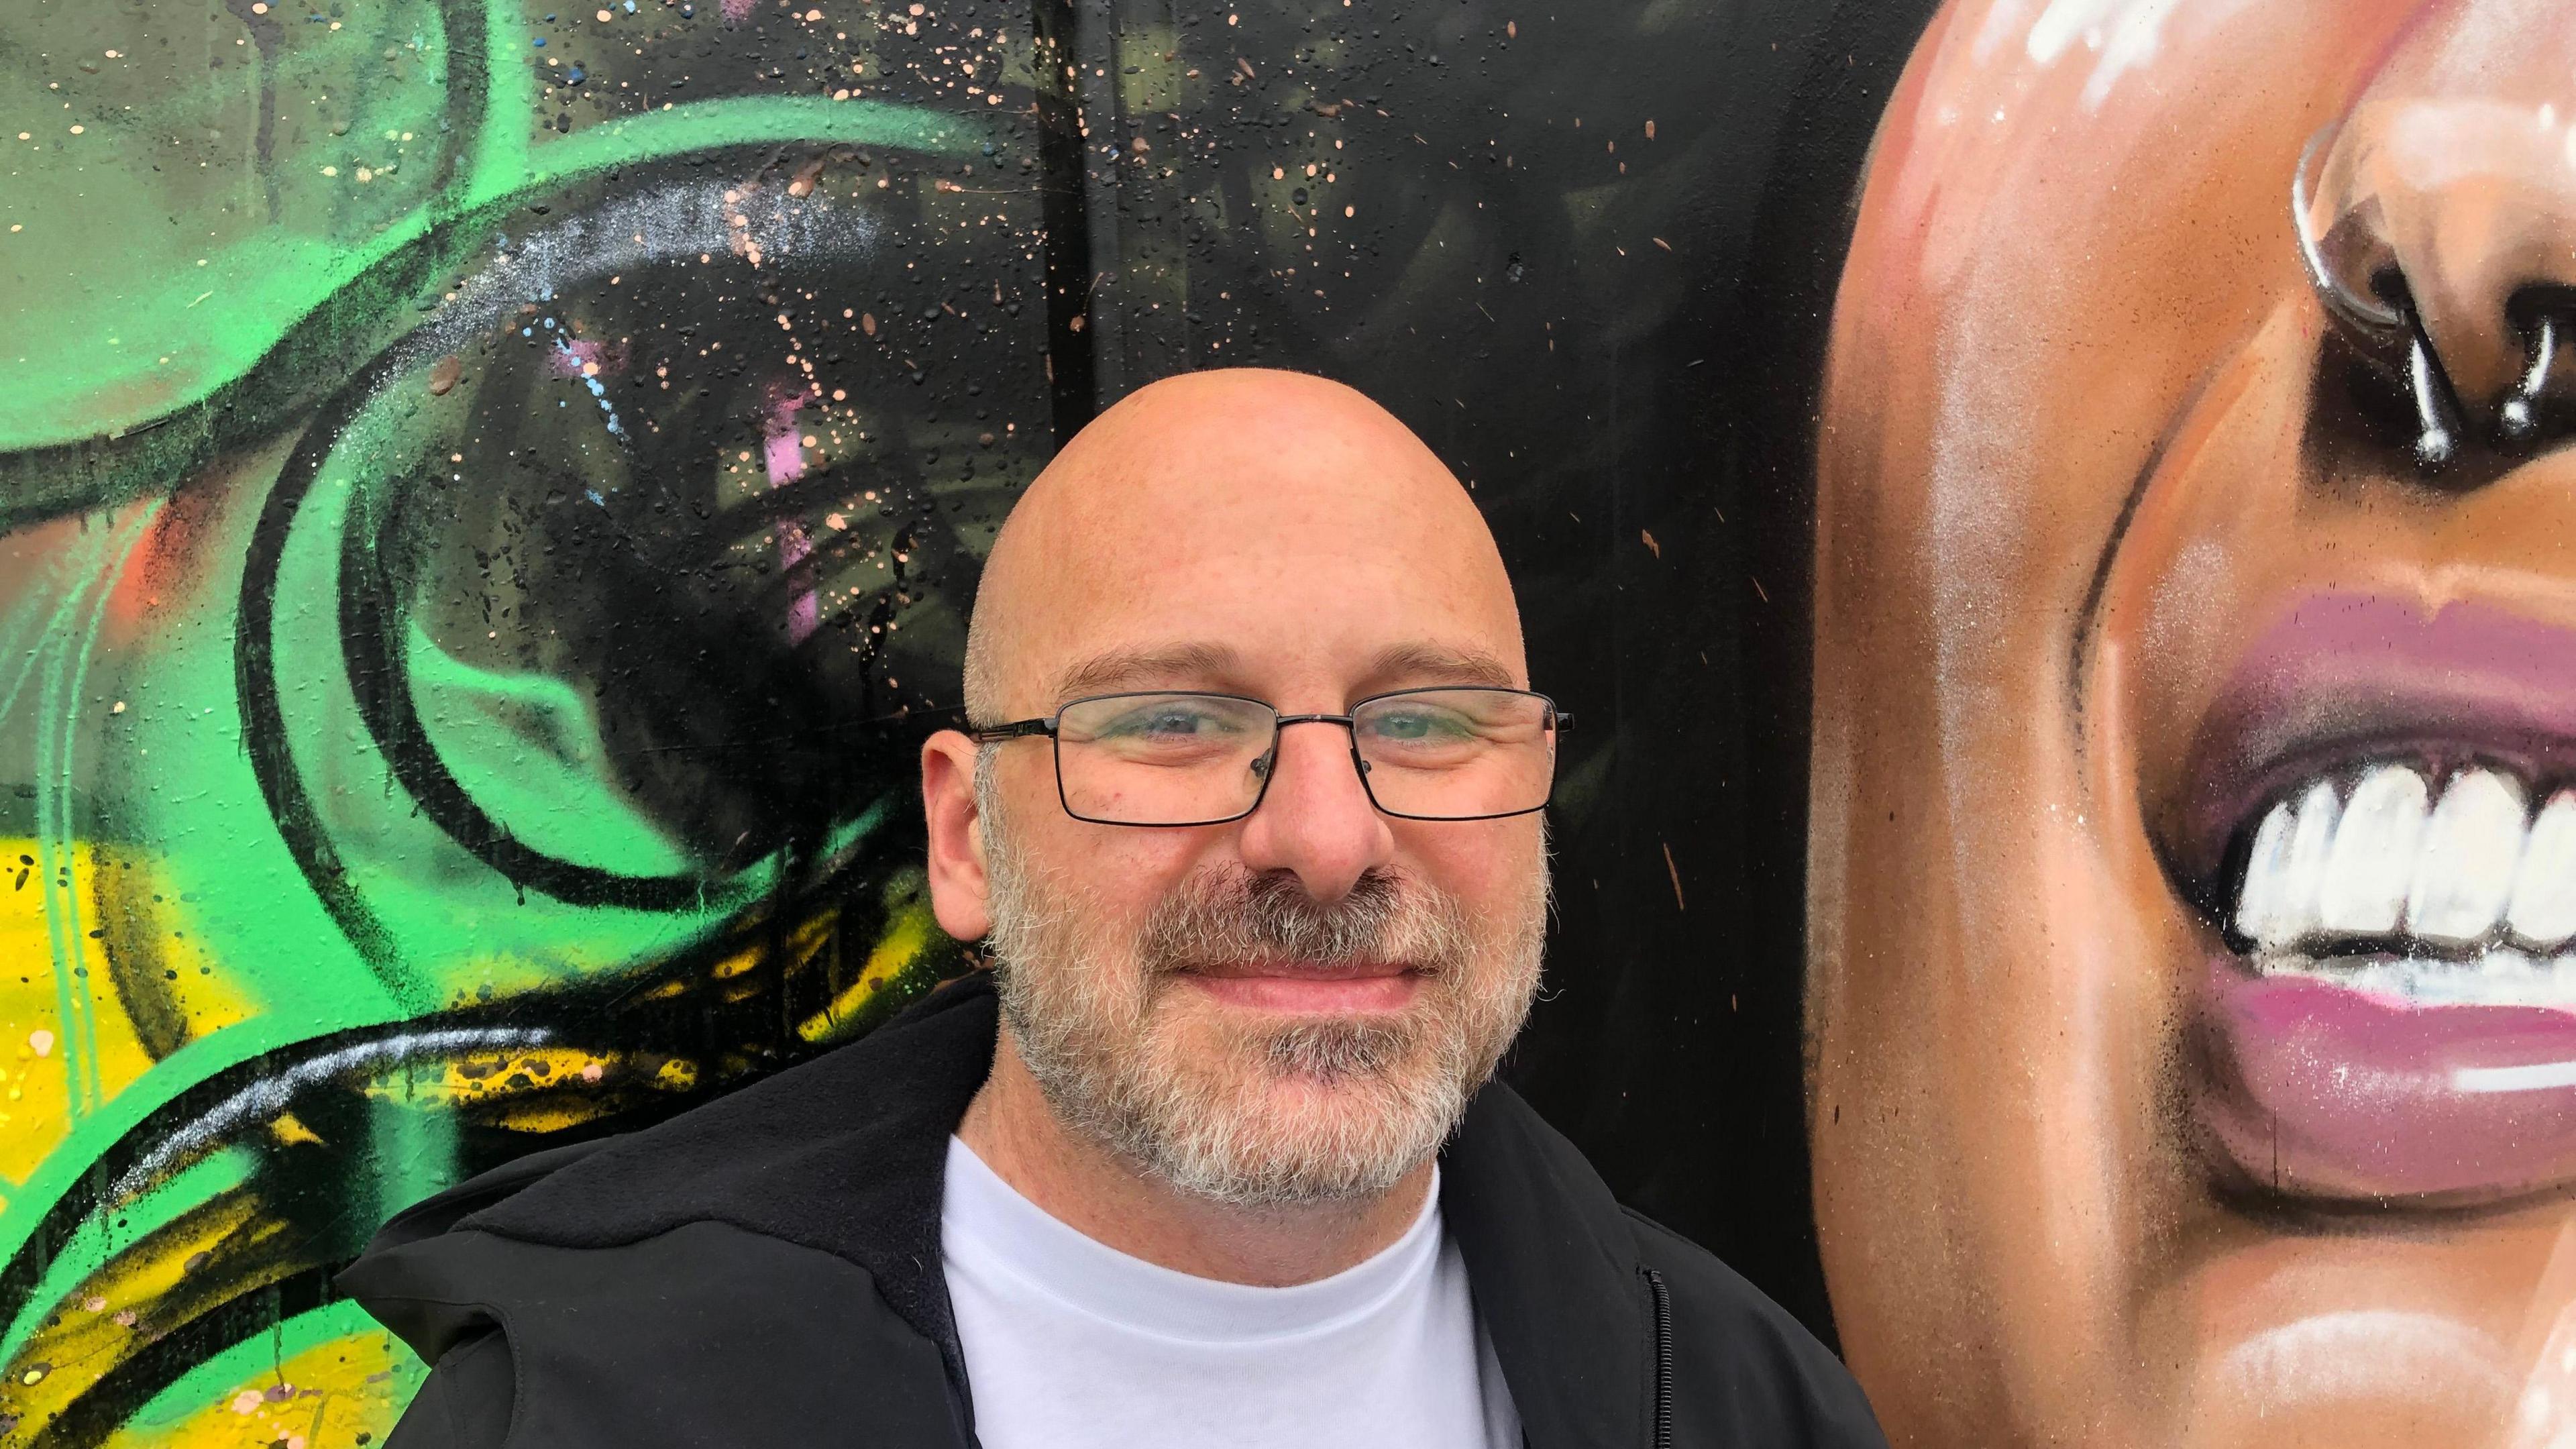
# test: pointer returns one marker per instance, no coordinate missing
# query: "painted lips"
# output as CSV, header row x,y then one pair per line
x,y
2376,811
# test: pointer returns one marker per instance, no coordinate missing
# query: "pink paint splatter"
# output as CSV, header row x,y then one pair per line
x,y
735,10
783,452
586,358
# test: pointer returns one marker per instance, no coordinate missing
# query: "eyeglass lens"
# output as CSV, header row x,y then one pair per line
x,y
1187,759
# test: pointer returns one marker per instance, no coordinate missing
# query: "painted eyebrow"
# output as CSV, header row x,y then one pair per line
x,y
1124,669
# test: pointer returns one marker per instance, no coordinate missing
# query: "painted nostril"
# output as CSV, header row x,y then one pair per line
x,y
2349,261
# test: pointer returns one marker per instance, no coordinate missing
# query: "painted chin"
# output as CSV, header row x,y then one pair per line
x,y
1318,994
2381,833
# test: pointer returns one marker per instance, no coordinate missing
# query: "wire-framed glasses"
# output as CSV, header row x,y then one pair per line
x,y
1170,758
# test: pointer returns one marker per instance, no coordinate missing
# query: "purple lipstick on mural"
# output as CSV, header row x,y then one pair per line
x,y
2383,820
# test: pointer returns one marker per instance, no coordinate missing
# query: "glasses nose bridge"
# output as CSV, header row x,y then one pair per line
x,y
1269,761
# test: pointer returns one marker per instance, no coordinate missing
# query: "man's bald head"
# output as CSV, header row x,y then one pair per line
x,y
1166,520
1289,1004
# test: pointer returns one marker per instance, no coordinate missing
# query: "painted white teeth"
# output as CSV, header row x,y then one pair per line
x,y
2379,889
2258,905
2543,911
2372,865
2304,874
2286,865
2464,872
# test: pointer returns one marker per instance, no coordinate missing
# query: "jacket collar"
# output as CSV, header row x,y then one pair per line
x,y
844,1154
847,1154
1552,1263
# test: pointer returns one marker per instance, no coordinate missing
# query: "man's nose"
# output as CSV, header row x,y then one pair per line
x,y
1316,819
2448,192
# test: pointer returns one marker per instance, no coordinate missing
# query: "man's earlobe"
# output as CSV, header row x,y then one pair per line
x,y
956,835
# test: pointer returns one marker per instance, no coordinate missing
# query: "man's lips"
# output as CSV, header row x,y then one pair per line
x,y
1337,988
2372,815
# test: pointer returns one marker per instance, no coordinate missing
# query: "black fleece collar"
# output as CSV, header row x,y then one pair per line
x,y
847,1154
844,1154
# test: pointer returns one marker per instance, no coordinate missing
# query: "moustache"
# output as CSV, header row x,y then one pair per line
x,y
1238,915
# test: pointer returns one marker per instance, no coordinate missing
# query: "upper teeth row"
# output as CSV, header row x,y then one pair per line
x,y
2388,857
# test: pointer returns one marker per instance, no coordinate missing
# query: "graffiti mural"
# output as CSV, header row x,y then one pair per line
x,y
2190,873
488,490
2055,505
475,478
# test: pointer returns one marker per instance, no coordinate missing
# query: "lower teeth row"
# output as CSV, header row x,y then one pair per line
x,y
2501,977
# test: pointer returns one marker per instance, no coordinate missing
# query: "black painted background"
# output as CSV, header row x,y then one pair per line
x,y
1622,362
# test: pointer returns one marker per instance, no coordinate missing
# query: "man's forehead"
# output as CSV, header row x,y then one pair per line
x,y
1242,531
1223,666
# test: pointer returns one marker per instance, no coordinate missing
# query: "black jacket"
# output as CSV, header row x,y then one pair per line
x,y
765,1271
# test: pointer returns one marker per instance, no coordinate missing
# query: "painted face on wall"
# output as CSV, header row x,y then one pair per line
x,y
474,479
2193,858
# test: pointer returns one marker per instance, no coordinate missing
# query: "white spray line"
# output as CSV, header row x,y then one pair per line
x,y
668,223
269,1097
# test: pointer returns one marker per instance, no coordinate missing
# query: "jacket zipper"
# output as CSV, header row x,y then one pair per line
x,y
1663,1357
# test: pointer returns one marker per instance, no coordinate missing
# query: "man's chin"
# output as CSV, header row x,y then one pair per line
x,y
1304,1110
1303,1144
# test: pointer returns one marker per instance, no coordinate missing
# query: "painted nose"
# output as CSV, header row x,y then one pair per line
x,y
2439,218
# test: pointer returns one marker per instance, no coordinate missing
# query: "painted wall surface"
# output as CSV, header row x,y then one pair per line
x,y
489,491
2192,871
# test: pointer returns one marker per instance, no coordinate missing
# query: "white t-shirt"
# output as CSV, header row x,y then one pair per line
x,y
1071,1344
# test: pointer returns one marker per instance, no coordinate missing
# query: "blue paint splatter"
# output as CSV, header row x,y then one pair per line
x,y
598,390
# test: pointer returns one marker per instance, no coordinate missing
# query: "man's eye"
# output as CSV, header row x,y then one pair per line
x,y
1168,723
1420,725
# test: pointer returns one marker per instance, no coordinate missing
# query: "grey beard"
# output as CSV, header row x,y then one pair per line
x,y
1081,1003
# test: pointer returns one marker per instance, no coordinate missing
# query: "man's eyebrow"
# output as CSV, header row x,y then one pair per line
x,y
1407,665
1123,669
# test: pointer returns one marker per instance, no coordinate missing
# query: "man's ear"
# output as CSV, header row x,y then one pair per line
x,y
959,884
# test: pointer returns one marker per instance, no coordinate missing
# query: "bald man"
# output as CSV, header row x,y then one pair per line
x,y
1248,820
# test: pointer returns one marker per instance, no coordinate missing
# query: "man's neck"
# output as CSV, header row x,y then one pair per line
x,y
1113,1202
